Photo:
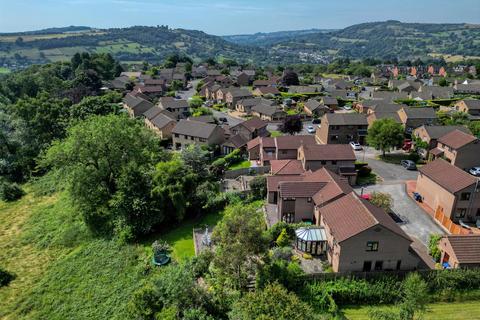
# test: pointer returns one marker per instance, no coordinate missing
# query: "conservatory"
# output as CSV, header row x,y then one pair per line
x,y
311,240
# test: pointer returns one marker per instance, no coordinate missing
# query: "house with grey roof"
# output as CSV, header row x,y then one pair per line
x,y
268,112
342,128
187,132
178,107
160,121
136,106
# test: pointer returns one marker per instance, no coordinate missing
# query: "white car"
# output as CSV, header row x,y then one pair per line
x,y
356,146
475,171
311,129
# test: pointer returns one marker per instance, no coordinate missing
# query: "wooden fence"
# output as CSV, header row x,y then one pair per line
x,y
448,224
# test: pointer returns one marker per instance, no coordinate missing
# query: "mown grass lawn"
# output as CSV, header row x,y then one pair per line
x,y
437,311
4,70
240,165
274,134
394,158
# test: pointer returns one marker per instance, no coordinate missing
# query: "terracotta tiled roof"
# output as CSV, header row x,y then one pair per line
x,y
436,152
293,142
253,143
449,177
286,167
456,139
350,215
466,248
273,181
301,189
328,152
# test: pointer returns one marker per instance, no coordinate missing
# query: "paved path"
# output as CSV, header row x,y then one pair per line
x,y
417,223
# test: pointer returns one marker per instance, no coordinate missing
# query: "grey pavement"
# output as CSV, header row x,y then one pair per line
x,y
417,223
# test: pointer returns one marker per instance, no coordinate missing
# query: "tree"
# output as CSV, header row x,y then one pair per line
x,y
197,159
291,125
433,249
283,240
414,297
239,241
96,105
259,187
10,191
474,127
385,134
107,163
382,200
272,303
443,82
290,78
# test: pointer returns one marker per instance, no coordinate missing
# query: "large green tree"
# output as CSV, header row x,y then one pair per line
x,y
385,134
240,243
108,163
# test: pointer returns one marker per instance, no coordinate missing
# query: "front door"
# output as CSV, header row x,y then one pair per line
x,y
378,265
367,266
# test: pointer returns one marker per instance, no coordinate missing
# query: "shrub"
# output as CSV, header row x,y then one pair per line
x,y
433,249
10,191
5,278
307,256
364,171
414,157
282,253
283,240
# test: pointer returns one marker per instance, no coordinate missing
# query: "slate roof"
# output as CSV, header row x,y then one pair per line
x,y
472,104
435,132
420,113
194,128
346,119
161,120
449,177
457,139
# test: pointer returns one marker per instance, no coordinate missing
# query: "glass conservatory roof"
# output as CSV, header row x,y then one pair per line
x,y
311,234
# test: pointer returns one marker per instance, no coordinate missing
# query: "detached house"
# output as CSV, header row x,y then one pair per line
x,y
431,134
413,117
246,105
268,112
342,128
314,108
136,106
188,132
472,107
449,191
265,149
179,108
160,121
234,95
359,236
251,129
460,251
458,148
264,91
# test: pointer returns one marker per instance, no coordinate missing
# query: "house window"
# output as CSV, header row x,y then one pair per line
x,y
465,196
378,265
309,200
372,246
335,127
461,213
289,218
323,162
399,264
177,135
334,138
478,212
334,161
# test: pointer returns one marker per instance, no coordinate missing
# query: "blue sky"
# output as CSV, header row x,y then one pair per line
x,y
223,17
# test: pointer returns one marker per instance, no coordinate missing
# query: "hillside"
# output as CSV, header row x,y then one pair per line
x,y
385,40
267,39
390,39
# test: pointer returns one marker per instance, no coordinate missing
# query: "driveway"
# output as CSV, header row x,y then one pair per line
x,y
389,172
417,223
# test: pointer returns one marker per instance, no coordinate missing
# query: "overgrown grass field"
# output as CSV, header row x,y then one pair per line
x,y
63,272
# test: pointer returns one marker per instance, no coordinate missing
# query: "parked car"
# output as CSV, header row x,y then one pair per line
x,y
356,146
347,107
408,164
222,119
316,121
475,171
311,129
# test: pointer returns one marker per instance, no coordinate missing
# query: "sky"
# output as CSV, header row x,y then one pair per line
x,y
226,17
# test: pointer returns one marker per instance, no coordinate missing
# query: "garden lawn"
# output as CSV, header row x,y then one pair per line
x,y
240,165
437,311
274,134
4,70
181,238
394,158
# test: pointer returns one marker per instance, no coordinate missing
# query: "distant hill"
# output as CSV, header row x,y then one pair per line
x,y
153,44
267,39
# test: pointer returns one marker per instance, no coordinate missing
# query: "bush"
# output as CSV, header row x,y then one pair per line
x,y
288,274
283,239
433,249
5,278
413,156
259,187
10,191
364,171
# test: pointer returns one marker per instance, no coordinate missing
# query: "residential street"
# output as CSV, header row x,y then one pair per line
x,y
417,223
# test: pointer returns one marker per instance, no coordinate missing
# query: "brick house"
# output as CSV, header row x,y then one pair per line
x,y
234,95
179,108
413,118
160,121
460,251
450,191
187,132
472,107
459,148
136,106
342,128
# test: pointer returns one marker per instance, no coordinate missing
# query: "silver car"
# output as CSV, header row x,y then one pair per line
x,y
475,171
